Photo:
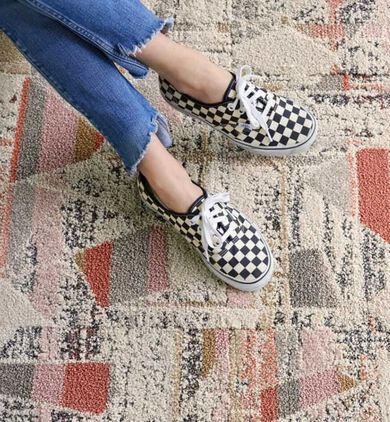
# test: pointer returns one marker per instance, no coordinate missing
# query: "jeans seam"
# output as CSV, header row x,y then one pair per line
x,y
153,128
83,32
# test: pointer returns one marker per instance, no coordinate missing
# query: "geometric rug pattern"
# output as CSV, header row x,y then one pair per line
x,y
107,315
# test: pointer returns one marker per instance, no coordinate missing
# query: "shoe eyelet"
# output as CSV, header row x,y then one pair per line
x,y
230,107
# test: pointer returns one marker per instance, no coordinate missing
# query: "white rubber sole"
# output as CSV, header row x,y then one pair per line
x,y
245,287
266,151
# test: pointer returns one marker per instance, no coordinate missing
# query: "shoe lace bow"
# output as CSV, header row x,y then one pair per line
x,y
248,96
212,219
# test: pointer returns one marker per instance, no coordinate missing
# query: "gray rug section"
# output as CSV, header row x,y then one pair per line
x,y
309,280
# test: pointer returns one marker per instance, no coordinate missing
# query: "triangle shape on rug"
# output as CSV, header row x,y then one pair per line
x,y
95,263
309,280
336,191
17,312
296,395
127,268
54,135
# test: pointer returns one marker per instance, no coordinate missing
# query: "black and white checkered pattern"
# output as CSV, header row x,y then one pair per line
x,y
290,126
245,260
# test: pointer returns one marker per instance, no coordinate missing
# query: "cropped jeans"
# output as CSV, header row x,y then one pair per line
x,y
74,43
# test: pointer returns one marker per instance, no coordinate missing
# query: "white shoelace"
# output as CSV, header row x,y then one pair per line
x,y
248,100
211,237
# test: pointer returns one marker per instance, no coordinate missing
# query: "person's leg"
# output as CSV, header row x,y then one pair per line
x,y
89,81
231,246
168,178
253,118
188,70
124,31
119,28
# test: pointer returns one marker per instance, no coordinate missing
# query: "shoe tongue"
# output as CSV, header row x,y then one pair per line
x,y
230,92
194,209
229,218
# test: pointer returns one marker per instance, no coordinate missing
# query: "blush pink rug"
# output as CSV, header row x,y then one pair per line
x,y
106,315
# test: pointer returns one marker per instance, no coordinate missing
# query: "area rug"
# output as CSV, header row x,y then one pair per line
x,y
107,315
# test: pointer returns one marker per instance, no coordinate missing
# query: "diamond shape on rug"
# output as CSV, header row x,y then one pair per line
x,y
96,264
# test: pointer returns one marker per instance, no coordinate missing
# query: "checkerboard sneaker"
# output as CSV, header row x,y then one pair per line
x,y
229,244
253,118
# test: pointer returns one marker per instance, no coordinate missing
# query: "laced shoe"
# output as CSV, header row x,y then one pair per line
x,y
253,118
230,245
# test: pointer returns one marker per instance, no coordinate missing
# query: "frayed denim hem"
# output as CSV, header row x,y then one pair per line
x,y
159,127
164,26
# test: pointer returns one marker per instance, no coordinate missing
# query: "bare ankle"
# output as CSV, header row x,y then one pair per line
x,y
199,78
177,196
205,85
187,70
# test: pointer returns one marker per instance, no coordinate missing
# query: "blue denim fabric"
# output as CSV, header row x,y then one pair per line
x,y
73,45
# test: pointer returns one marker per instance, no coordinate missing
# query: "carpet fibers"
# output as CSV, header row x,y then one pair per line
x,y
107,315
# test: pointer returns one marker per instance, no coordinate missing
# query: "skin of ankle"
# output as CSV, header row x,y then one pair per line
x,y
186,69
176,195
204,81
168,178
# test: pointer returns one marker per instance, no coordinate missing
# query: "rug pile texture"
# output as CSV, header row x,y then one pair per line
x,y
107,315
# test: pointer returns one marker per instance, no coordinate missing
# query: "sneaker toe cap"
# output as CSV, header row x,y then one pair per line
x,y
247,267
